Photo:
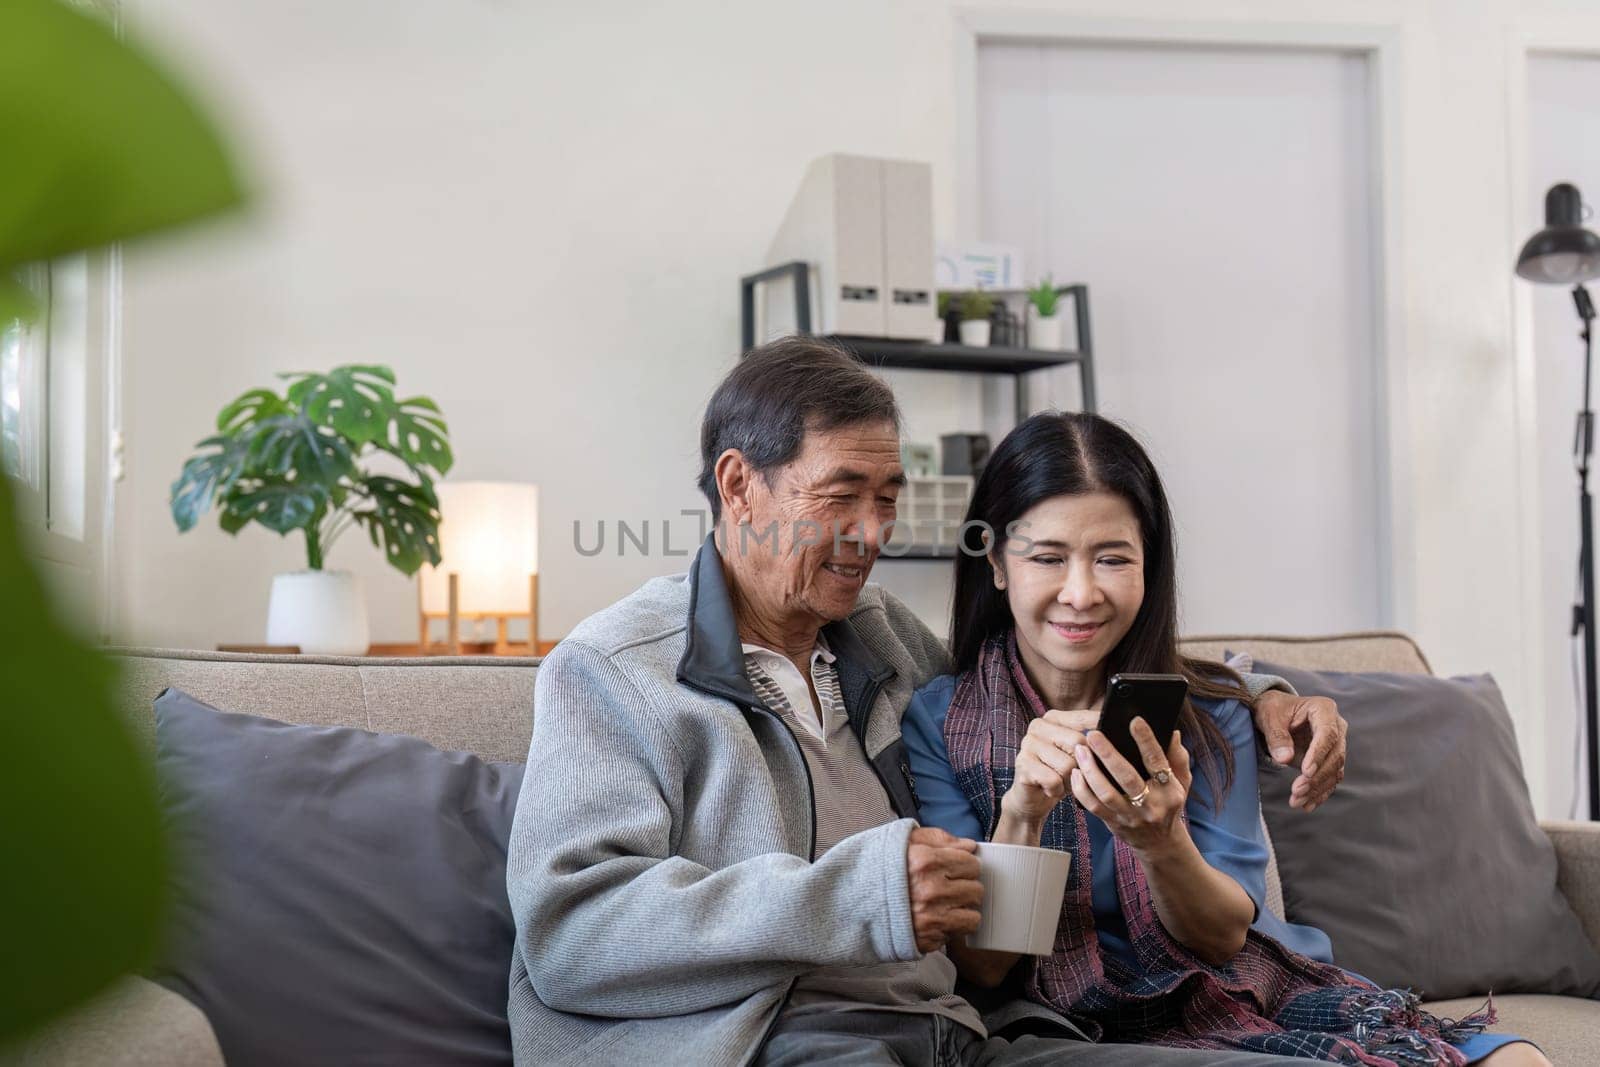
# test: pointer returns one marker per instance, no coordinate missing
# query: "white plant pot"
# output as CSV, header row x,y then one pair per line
x,y
975,333
324,612
1045,333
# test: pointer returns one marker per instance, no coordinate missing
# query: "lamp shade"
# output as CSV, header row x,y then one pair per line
x,y
1563,253
489,535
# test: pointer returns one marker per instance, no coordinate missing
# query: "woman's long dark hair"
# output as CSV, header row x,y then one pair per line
x,y
1056,454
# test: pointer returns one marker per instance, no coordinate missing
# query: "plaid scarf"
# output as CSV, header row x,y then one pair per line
x,y
1266,999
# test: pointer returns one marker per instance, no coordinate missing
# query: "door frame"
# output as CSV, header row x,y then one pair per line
x,y
1394,539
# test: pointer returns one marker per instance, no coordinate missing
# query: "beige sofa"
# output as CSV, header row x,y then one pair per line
x,y
482,705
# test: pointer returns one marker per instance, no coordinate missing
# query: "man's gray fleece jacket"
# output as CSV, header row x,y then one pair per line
x,y
659,866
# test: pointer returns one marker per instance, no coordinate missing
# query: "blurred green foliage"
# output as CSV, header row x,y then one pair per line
x,y
99,145
976,305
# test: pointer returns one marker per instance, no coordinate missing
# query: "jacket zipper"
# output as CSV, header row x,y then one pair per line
x,y
911,783
811,849
811,786
739,701
870,697
811,846
905,765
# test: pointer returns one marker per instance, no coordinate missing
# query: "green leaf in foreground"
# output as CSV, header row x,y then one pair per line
x,y
99,143
16,303
84,890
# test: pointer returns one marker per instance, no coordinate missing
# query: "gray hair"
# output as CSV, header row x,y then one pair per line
x,y
775,394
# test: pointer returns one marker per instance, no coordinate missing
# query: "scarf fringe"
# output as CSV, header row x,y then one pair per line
x,y
1475,1023
1390,1024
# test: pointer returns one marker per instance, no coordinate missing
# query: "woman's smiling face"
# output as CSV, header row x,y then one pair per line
x,y
1073,574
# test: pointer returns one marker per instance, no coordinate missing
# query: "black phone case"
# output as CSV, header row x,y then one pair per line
x,y
1156,698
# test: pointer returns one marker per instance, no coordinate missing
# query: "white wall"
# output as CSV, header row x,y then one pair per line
x,y
537,212
538,217
1221,200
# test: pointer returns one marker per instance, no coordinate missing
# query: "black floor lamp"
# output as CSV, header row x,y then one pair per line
x,y
1564,253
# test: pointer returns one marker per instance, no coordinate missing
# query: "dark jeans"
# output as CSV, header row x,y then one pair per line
x,y
900,1039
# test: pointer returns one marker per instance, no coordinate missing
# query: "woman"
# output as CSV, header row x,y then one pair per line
x,y
1163,936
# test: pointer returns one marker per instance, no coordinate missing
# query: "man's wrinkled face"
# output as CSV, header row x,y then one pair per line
x,y
813,528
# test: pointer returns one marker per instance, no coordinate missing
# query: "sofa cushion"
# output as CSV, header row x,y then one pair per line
x,y
1427,868
1367,650
343,897
479,704
1562,1027
135,1023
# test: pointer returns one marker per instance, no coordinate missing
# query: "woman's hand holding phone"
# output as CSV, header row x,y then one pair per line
x,y
1063,752
1044,768
1103,781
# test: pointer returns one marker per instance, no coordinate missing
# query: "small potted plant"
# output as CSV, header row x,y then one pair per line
x,y
292,462
1044,313
976,307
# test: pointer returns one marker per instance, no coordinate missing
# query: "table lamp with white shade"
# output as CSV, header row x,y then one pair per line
x,y
489,561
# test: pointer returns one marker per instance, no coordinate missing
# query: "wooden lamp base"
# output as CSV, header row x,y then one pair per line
x,y
502,645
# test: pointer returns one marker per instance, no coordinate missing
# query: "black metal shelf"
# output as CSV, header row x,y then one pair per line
x,y
895,354
892,353
926,355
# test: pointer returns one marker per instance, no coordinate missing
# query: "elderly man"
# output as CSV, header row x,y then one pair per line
x,y
715,858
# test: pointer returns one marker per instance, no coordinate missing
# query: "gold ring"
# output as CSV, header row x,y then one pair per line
x,y
1139,800
1163,776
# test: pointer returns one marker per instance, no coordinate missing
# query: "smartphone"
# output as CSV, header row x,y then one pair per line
x,y
1155,698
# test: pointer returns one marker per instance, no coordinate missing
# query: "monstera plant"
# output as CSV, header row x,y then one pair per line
x,y
295,462
292,462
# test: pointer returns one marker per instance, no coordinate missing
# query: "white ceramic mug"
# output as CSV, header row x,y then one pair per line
x,y
1022,892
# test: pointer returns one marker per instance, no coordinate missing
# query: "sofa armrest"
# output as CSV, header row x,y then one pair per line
x,y
135,1023
1578,869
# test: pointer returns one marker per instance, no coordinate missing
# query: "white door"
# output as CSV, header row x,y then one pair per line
x,y
1219,204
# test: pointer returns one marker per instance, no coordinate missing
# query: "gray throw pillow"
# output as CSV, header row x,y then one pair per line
x,y
343,893
1427,867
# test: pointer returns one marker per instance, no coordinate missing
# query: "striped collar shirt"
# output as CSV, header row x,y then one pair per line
x,y
773,675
